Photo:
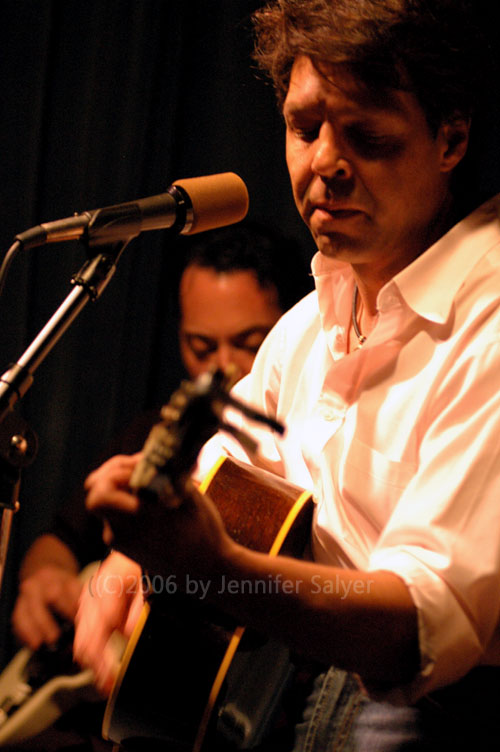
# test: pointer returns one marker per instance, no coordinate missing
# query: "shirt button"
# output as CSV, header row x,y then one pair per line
x,y
329,413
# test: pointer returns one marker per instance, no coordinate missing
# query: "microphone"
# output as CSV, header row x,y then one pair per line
x,y
189,206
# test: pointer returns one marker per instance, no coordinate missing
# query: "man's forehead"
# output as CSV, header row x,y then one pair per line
x,y
341,79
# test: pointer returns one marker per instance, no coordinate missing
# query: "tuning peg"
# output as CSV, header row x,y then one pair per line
x,y
170,414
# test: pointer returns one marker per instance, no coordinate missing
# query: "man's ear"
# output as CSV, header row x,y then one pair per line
x,y
454,135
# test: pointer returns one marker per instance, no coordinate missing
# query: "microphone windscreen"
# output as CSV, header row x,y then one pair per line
x,y
217,200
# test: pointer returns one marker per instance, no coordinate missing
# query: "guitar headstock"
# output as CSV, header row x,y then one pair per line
x,y
193,414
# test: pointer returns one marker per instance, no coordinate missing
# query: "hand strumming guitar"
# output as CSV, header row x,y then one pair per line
x,y
186,541
111,601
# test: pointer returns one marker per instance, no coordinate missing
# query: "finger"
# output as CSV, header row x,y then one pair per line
x,y
57,589
105,671
34,624
92,626
121,464
107,533
103,496
47,593
65,601
102,610
26,630
118,476
133,616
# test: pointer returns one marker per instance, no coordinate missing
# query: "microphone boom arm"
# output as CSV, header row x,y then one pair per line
x,y
88,283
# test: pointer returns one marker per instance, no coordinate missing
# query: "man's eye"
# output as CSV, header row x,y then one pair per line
x,y
304,132
307,134
200,353
201,348
374,145
251,342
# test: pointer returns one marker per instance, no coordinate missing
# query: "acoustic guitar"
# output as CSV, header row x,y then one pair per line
x,y
191,679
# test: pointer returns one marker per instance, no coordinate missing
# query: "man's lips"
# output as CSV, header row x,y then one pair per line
x,y
324,214
335,209
344,213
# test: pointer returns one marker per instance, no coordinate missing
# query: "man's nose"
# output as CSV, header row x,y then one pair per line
x,y
223,356
329,161
227,355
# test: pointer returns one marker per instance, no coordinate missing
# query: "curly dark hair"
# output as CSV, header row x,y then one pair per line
x,y
430,47
277,261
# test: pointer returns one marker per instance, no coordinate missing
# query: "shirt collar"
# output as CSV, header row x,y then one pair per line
x,y
334,284
430,284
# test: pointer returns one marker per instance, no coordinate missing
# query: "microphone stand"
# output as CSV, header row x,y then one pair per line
x,y
18,443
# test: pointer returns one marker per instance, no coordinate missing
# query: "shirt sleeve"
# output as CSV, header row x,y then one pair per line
x,y
443,538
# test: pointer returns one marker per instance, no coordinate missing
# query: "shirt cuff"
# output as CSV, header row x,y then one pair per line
x,y
449,645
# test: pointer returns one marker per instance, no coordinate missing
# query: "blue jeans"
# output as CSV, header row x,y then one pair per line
x,y
331,709
339,717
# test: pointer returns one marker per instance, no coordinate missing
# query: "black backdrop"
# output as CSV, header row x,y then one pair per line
x,y
105,101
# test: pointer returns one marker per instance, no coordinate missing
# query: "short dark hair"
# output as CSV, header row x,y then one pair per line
x,y
432,48
275,260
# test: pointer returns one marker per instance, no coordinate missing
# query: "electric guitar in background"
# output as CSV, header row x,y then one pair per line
x,y
38,687
191,679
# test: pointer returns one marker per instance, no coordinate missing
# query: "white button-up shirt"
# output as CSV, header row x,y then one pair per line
x,y
400,440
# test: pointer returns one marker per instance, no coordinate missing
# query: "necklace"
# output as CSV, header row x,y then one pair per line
x,y
361,337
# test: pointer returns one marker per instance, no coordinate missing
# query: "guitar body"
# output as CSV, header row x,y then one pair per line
x,y
189,676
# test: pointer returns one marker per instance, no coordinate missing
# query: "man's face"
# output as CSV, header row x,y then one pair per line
x,y
369,177
224,318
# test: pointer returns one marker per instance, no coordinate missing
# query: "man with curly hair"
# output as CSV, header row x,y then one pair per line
x,y
386,378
